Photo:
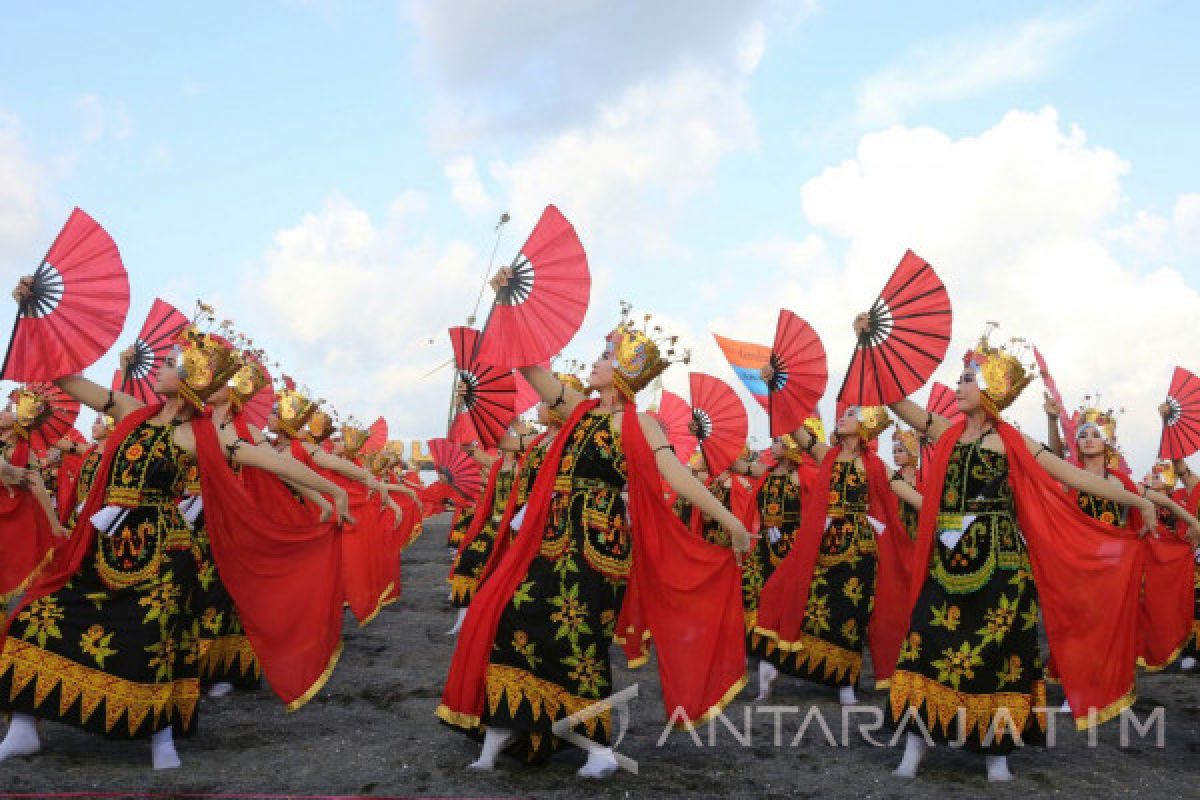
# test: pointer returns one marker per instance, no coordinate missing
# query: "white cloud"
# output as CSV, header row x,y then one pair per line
x,y
952,70
22,190
1186,218
99,118
349,305
1016,221
466,187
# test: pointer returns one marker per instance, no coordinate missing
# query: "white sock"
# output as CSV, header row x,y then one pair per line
x,y
997,768
22,737
220,689
162,750
601,763
914,750
494,741
766,676
1065,707
846,696
1187,663
458,621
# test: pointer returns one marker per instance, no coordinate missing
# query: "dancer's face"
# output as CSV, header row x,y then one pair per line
x,y
602,371
777,448
900,456
968,391
166,379
7,419
273,422
848,423
99,430
1091,441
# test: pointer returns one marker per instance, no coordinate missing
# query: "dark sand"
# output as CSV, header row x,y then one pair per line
x,y
371,731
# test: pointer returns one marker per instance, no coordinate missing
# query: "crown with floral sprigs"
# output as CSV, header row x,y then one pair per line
x,y
639,355
999,370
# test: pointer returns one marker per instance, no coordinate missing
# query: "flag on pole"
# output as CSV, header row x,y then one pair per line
x,y
746,359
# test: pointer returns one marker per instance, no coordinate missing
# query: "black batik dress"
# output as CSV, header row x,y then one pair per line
x,y
908,513
842,592
550,657
714,532
460,524
83,485
523,485
779,509
113,651
972,642
464,577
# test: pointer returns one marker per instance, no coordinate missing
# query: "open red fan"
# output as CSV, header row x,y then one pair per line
x,y
1067,420
258,408
489,397
799,373
943,402
907,338
455,467
720,420
1181,428
377,436
56,417
77,307
154,342
675,416
542,306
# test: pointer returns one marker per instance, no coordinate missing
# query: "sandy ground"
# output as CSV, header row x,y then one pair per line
x,y
371,731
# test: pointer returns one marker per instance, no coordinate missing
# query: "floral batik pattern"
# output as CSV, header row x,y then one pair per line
x,y
970,667
463,518
468,567
779,509
115,651
841,594
550,657
714,532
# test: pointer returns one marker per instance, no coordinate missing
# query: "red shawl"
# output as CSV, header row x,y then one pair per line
x,y
1088,576
367,582
269,492
26,539
1168,592
504,529
689,591
284,579
68,475
784,599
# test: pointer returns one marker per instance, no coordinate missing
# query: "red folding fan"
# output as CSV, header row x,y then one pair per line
x,y
542,306
720,421
1067,420
455,467
77,307
907,338
153,344
675,416
56,421
800,373
490,393
1181,428
377,436
258,408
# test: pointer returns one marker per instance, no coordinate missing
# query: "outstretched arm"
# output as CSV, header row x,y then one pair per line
x,y
681,479
810,444
1181,514
906,492
1054,437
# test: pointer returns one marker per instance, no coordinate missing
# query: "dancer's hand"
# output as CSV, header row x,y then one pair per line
x,y
127,357
1050,406
1164,410
862,323
341,502
1193,535
1149,518
24,289
60,531
739,539
325,506
766,372
502,276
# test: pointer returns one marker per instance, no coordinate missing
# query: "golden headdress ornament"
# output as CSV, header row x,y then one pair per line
x,y
294,408
1164,470
999,372
910,441
206,361
639,355
816,427
321,426
872,420
30,408
697,463
354,436
792,450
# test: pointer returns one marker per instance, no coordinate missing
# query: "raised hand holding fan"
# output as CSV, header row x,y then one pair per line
x,y
904,339
797,375
72,308
44,414
488,393
1181,417
719,421
153,343
456,468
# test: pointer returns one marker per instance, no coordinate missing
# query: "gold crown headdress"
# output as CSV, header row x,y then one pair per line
x,y
910,441
206,363
251,379
30,408
1000,374
294,408
639,355
1165,471
872,420
354,436
697,463
321,425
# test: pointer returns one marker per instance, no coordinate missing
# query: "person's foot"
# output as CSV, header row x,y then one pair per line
x,y
494,742
1187,664
22,738
767,673
221,689
997,769
914,750
458,621
162,751
601,764
846,696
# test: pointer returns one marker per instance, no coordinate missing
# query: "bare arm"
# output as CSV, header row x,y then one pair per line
x,y
1054,437
906,492
681,479
751,468
1189,478
1181,514
95,396
809,444
558,396
38,489
926,423
1085,481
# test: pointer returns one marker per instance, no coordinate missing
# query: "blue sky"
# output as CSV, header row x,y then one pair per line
x,y
345,162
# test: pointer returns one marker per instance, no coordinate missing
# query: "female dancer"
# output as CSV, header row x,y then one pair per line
x,y
534,647
970,660
101,641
